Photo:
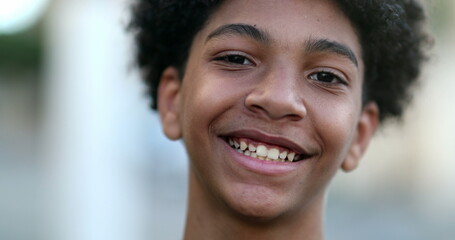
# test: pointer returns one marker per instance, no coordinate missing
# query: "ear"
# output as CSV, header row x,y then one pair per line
x,y
366,127
168,103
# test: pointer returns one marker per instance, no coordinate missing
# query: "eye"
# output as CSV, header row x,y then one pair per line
x,y
327,77
235,59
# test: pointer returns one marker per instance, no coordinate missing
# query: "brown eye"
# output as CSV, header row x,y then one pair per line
x,y
235,59
326,77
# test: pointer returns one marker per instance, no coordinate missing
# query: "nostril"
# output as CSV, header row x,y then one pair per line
x,y
275,114
278,109
257,108
276,104
294,117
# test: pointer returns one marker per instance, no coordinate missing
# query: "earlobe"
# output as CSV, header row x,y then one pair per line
x,y
168,103
366,127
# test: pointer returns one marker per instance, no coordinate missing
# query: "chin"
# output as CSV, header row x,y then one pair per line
x,y
259,204
257,213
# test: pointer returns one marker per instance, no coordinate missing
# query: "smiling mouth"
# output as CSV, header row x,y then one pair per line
x,y
264,151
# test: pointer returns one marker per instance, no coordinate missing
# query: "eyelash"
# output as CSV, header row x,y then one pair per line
x,y
229,59
334,76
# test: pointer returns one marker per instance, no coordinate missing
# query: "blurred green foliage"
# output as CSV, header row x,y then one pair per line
x,y
21,51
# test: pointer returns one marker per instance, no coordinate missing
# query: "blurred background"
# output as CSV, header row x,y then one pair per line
x,y
83,157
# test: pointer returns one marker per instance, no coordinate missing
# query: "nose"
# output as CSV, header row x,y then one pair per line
x,y
277,96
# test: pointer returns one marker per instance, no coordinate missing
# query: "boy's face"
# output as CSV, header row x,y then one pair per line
x,y
286,75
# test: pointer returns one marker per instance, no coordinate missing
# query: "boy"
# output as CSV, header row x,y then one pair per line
x,y
271,98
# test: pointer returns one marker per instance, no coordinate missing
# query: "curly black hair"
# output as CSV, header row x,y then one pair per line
x,y
391,33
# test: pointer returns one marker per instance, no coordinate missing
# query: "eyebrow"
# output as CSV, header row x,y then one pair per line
x,y
240,29
325,45
312,45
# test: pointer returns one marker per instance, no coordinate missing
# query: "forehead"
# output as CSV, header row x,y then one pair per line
x,y
289,22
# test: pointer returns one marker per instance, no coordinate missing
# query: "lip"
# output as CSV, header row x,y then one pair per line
x,y
268,139
263,167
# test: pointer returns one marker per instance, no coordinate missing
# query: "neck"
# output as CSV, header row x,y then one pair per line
x,y
209,218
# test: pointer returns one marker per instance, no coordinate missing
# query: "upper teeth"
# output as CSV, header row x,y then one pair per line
x,y
261,151
242,145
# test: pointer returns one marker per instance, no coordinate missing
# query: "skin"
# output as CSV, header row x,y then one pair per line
x,y
238,85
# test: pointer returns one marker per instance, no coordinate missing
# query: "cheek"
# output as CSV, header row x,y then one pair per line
x,y
335,124
204,100
205,97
